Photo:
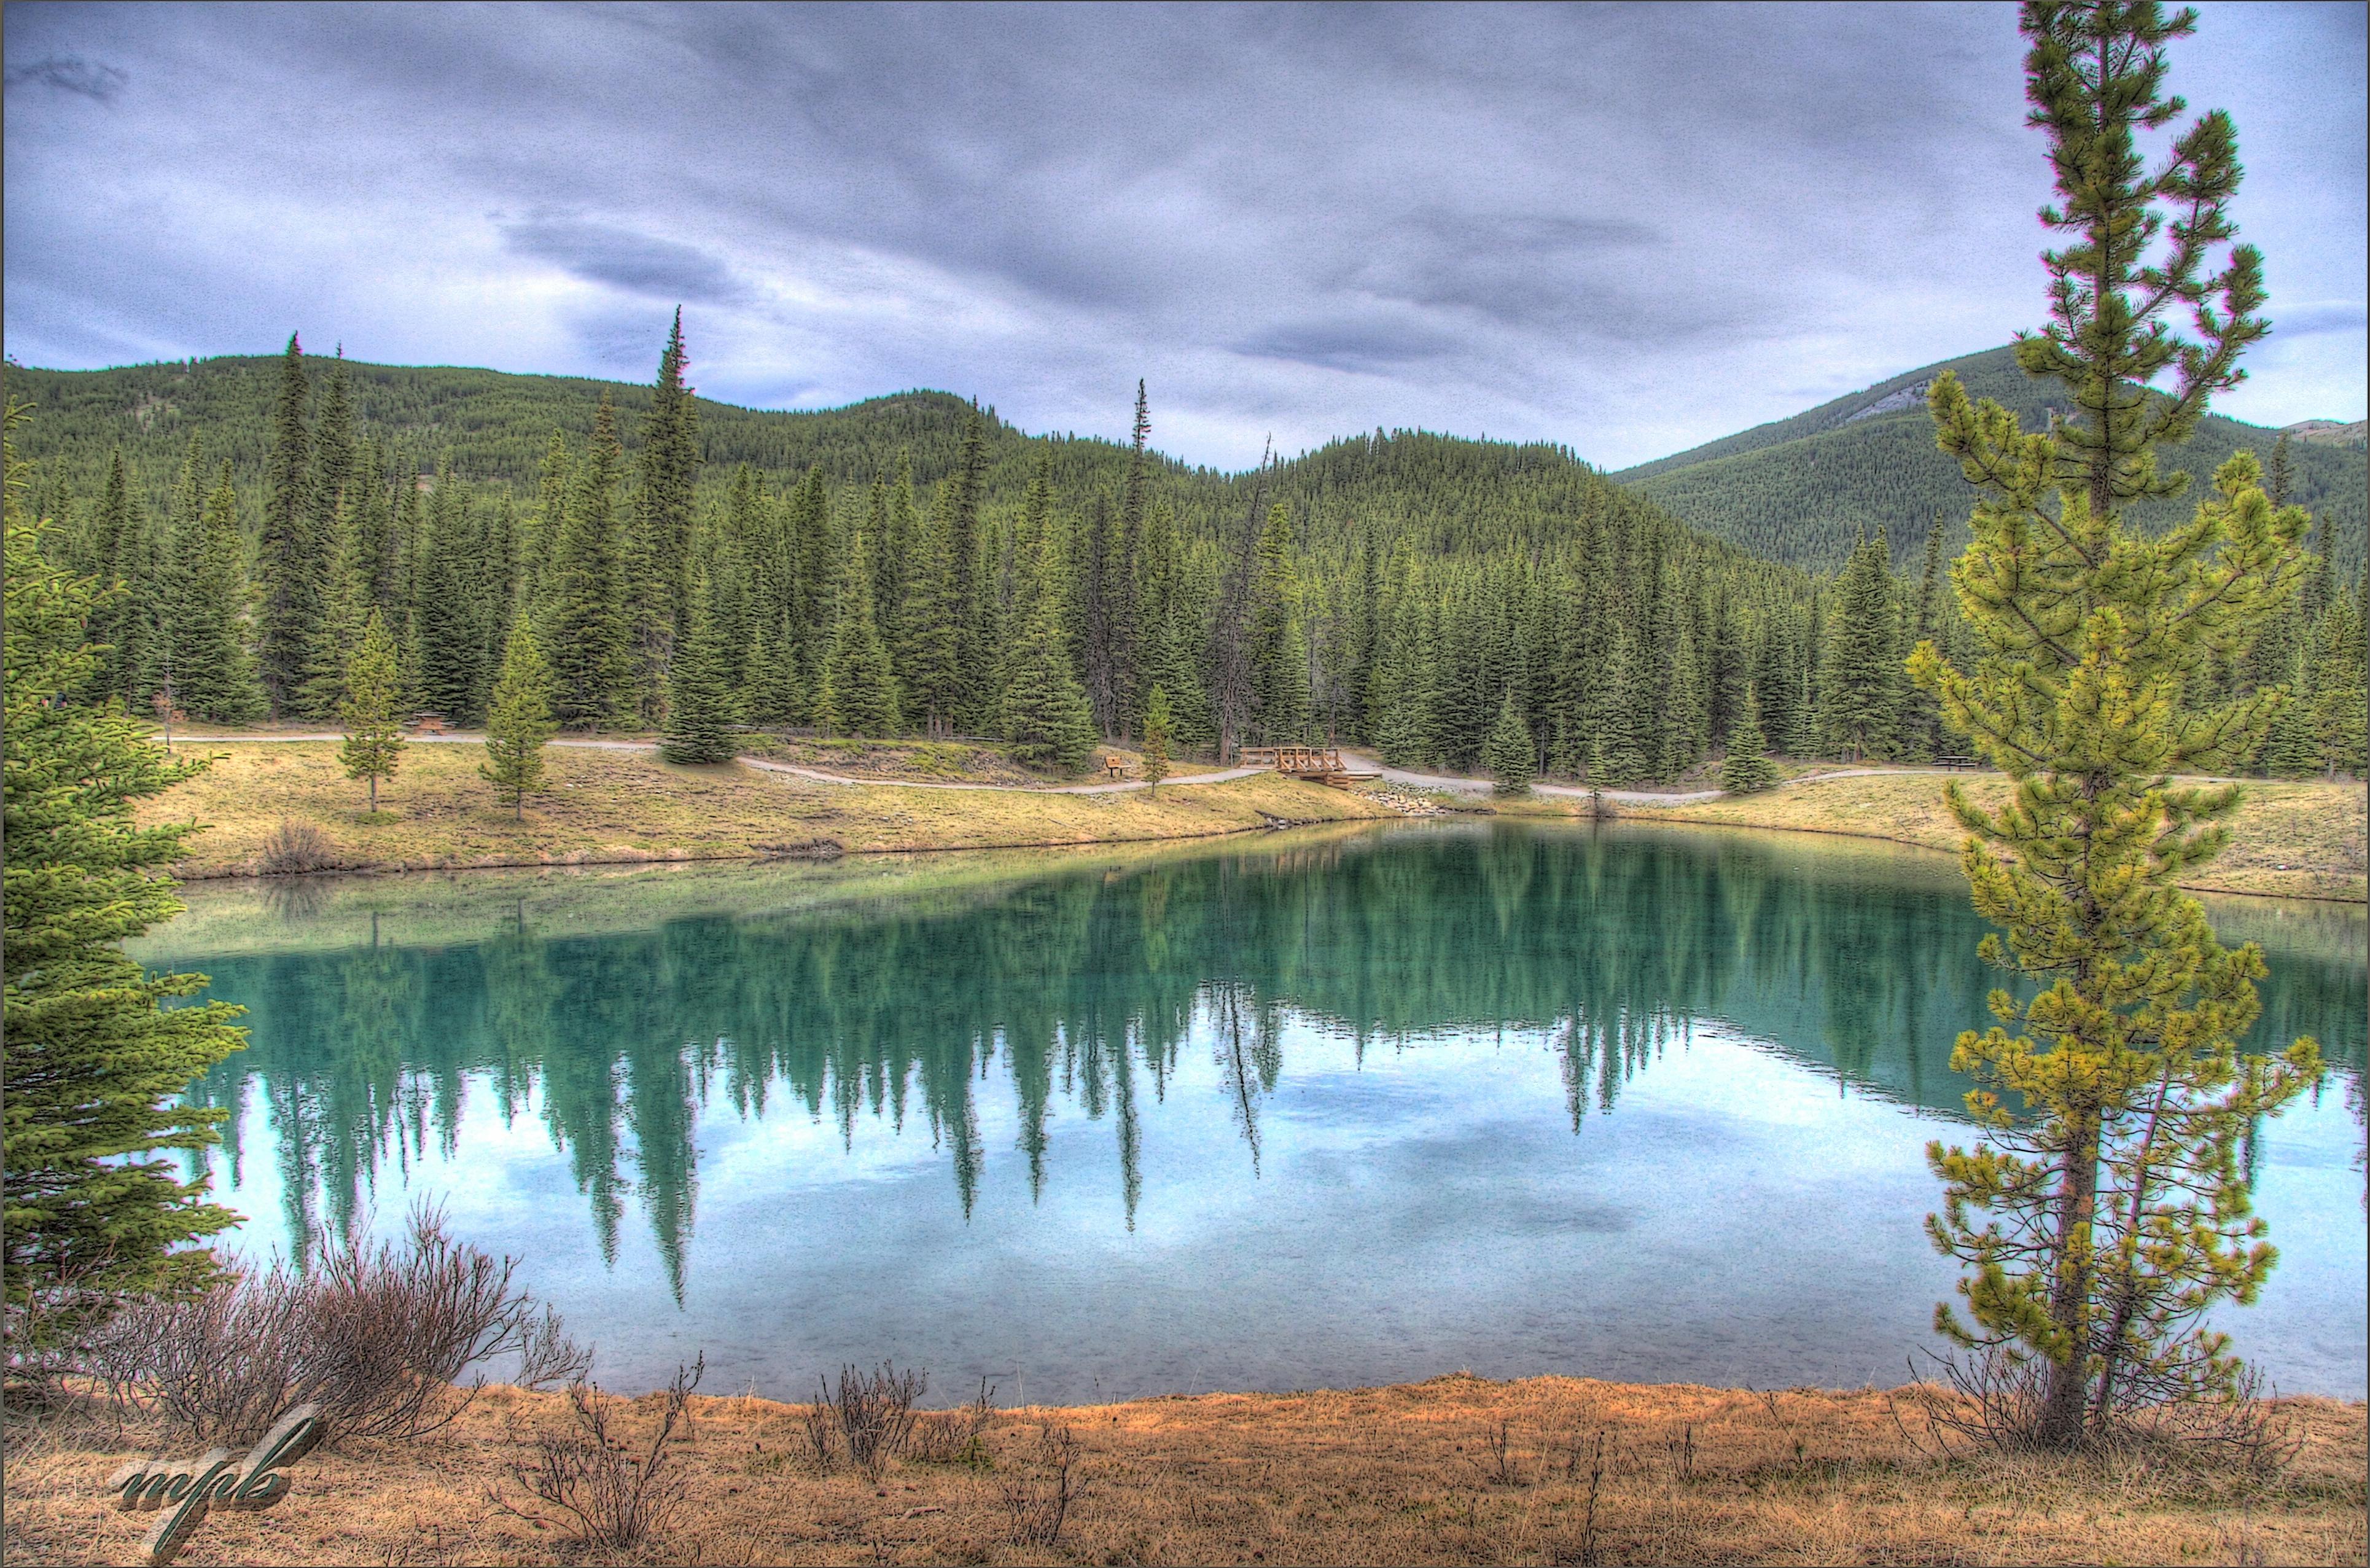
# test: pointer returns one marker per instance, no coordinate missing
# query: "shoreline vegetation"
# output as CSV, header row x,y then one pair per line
x,y
1457,1469
616,803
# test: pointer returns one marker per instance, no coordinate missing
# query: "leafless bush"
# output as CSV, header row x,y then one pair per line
x,y
954,1436
1496,1460
822,1427
1041,1495
875,1412
1993,1400
611,1498
376,1336
294,848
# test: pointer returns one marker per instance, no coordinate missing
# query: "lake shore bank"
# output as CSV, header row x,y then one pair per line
x,y
1453,1469
618,803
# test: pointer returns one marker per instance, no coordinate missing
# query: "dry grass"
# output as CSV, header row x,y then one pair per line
x,y
2294,840
1455,1470
620,806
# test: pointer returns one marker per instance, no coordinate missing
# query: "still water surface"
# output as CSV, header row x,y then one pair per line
x,y
1333,1110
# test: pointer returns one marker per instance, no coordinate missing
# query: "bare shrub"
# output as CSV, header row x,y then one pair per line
x,y
612,1498
954,1436
294,848
1993,1400
1041,1495
822,1428
376,1336
875,1412
1496,1460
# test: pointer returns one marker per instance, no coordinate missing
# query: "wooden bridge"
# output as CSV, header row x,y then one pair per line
x,y
1319,765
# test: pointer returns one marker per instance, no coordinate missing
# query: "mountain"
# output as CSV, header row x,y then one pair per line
x,y
1801,490
2329,432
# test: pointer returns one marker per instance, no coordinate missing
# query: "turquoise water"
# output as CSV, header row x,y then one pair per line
x,y
1329,1110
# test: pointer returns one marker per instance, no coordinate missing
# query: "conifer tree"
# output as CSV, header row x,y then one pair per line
x,y
589,658
966,492
95,1066
1046,718
1747,769
661,564
1159,726
776,695
212,676
927,658
372,712
1859,685
120,615
2103,1217
701,709
450,673
1514,762
2340,702
290,612
1279,653
518,721
859,691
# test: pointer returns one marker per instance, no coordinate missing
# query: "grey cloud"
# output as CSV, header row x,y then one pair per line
x,y
94,79
638,263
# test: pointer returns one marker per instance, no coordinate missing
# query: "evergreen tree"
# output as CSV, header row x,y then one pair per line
x,y
1514,762
1279,653
776,695
450,674
518,721
859,691
1747,769
966,493
927,659
591,661
2341,700
95,1065
1921,720
1159,725
212,676
372,712
1860,686
2104,1218
122,614
1046,718
288,555
661,566
701,707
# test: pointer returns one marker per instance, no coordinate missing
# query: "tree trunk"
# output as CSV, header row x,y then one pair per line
x,y
2063,1412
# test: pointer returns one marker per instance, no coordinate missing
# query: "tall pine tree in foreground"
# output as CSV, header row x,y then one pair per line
x,y
2106,1209
518,721
372,712
95,1065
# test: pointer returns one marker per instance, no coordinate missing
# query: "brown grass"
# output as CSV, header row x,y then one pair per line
x,y
619,806
2294,840
1457,1470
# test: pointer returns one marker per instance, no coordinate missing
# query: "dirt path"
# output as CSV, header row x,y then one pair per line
x,y
1465,784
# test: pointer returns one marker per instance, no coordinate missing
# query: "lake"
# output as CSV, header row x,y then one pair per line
x,y
1326,1109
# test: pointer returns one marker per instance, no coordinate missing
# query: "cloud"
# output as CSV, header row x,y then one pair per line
x,y
93,79
1625,229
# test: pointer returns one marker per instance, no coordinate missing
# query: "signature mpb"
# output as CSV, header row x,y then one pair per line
x,y
215,1479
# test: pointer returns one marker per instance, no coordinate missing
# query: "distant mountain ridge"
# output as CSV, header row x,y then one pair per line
x,y
1801,489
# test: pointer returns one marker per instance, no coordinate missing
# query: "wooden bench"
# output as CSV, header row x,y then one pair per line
x,y
1956,764
1114,768
430,723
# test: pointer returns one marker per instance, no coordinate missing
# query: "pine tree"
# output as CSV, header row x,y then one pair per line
x,y
372,712
212,676
1158,728
1279,653
859,691
775,696
518,721
1859,684
291,585
1514,762
451,672
1046,718
122,615
2106,1217
701,710
2340,703
927,658
95,1065
661,564
591,661
1747,769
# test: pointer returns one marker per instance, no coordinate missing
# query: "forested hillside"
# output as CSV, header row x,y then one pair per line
x,y
911,564
1802,490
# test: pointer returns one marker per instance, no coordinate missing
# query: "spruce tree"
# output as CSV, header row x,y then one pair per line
x,y
1747,767
1860,688
1046,718
701,709
372,712
859,691
1278,649
590,658
661,564
2105,1209
2339,704
214,678
1513,761
518,721
1159,727
95,1065
289,613
927,658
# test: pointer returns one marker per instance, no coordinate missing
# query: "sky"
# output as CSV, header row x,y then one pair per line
x,y
1626,229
